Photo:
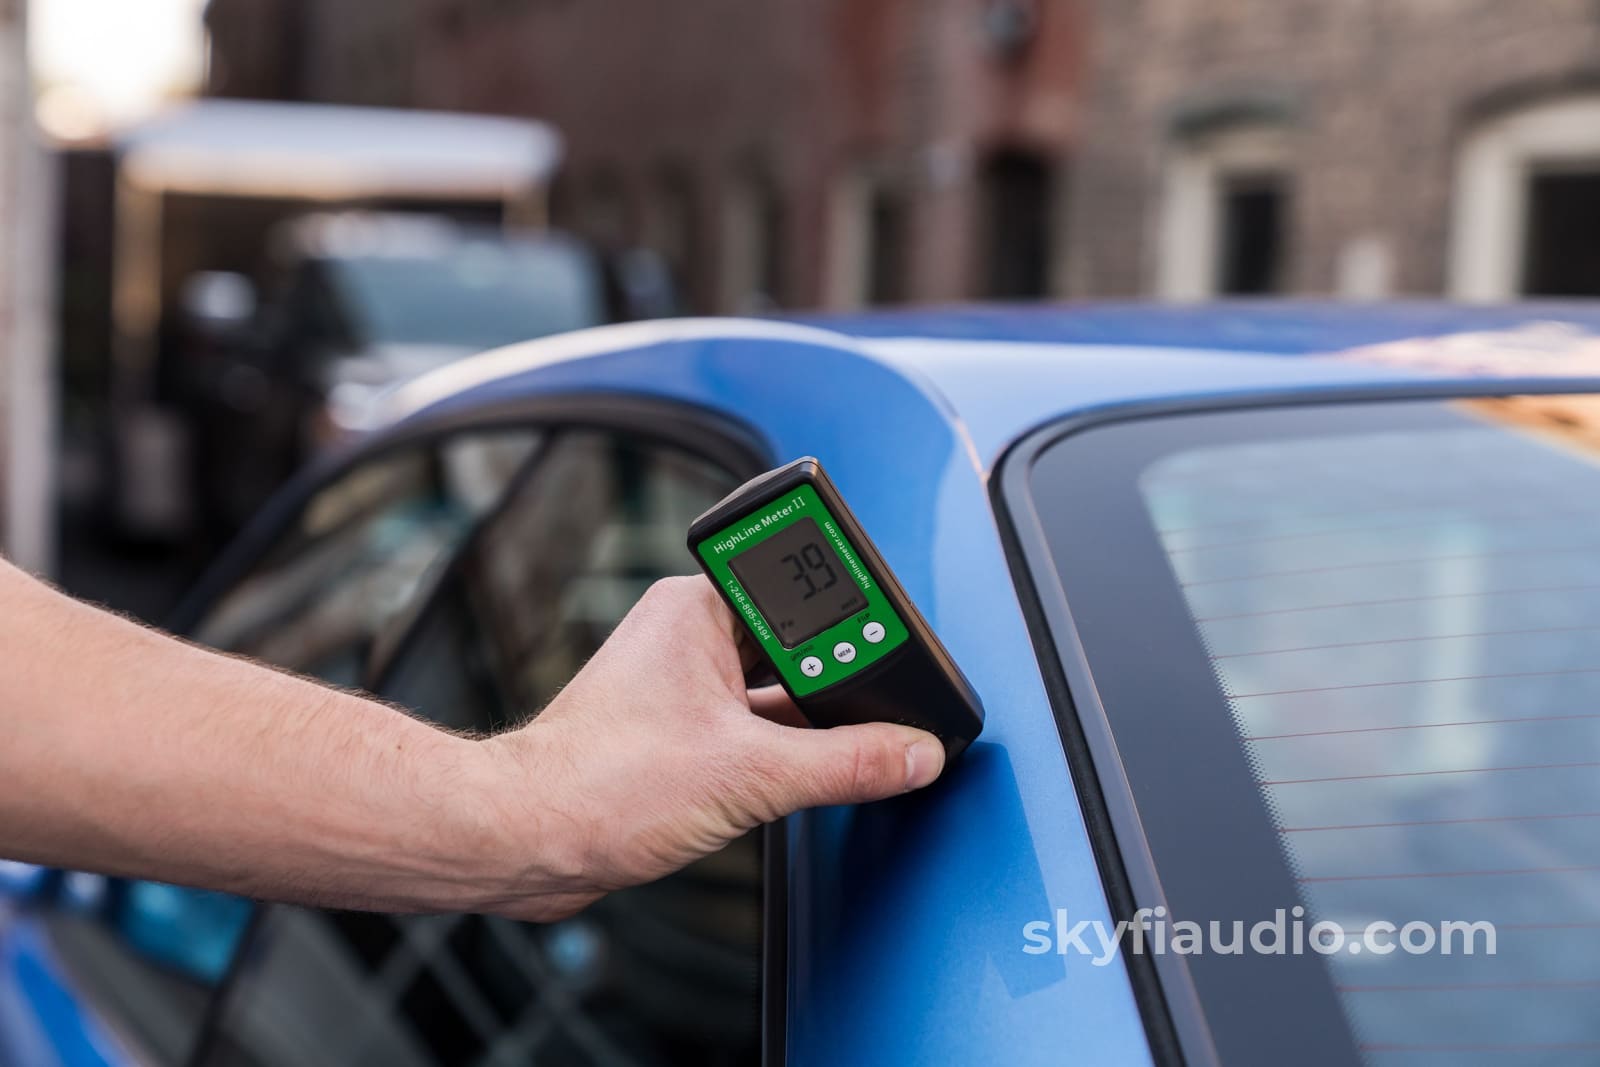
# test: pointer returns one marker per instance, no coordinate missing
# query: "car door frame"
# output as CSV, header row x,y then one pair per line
x,y
708,433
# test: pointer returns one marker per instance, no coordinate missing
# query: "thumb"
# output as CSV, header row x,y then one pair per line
x,y
849,764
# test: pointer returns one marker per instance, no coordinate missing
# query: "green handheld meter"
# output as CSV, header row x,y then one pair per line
x,y
791,560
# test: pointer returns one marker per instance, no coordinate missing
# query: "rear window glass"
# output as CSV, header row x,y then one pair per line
x,y
1391,631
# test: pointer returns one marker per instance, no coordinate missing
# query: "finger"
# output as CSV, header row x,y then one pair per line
x,y
847,765
773,704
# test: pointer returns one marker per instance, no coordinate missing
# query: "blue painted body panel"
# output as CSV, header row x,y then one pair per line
x,y
23,880
45,1020
906,917
1278,327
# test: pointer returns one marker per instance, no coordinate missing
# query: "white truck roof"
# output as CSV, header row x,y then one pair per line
x,y
329,152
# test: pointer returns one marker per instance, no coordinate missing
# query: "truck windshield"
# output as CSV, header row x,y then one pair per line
x,y
1349,657
478,293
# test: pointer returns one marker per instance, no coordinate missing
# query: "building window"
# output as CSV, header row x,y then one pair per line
x,y
770,219
1225,227
1254,213
1018,220
887,264
563,201
754,247
1527,204
675,236
868,261
606,219
1561,256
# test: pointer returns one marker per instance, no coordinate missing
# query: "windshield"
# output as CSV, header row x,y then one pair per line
x,y
475,293
1386,706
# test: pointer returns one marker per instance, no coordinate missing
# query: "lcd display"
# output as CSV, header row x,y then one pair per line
x,y
798,582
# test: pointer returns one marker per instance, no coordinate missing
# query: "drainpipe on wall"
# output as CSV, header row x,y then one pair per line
x,y
28,399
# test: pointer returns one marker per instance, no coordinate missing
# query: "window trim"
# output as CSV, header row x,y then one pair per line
x,y
703,431
1163,987
1493,192
1194,184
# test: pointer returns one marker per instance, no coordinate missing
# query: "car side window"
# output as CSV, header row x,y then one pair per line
x,y
558,568
335,591
362,552
661,974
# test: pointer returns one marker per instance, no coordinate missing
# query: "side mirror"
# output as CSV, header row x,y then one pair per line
x,y
218,306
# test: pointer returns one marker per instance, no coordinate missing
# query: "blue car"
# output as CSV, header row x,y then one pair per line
x,y
1287,623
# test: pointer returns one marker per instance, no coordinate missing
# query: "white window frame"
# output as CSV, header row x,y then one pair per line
x,y
850,237
1493,169
745,242
1189,266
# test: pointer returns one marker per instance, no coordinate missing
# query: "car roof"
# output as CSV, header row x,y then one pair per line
x,y
1275,327
999,371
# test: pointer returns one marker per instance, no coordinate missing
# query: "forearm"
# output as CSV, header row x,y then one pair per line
x,y
124,751
127,752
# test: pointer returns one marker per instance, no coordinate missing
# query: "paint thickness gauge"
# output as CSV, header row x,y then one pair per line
x,y
846,642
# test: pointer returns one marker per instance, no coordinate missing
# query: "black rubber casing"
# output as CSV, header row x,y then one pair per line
x,y
918,684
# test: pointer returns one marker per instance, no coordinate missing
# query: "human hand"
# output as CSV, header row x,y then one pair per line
x,y
651,758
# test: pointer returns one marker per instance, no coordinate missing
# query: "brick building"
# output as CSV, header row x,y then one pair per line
x,y
1360,148
255,48
841,152
795,153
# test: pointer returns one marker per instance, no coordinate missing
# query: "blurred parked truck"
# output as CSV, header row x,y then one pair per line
x,y
357,303
276,266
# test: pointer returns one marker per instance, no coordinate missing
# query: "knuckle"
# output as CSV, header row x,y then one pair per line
x,y
753,778
666,591
873,769
759,764
678,594
666,599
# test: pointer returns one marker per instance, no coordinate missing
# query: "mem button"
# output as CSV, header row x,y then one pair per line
x,y
811,666
844,652
872,632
